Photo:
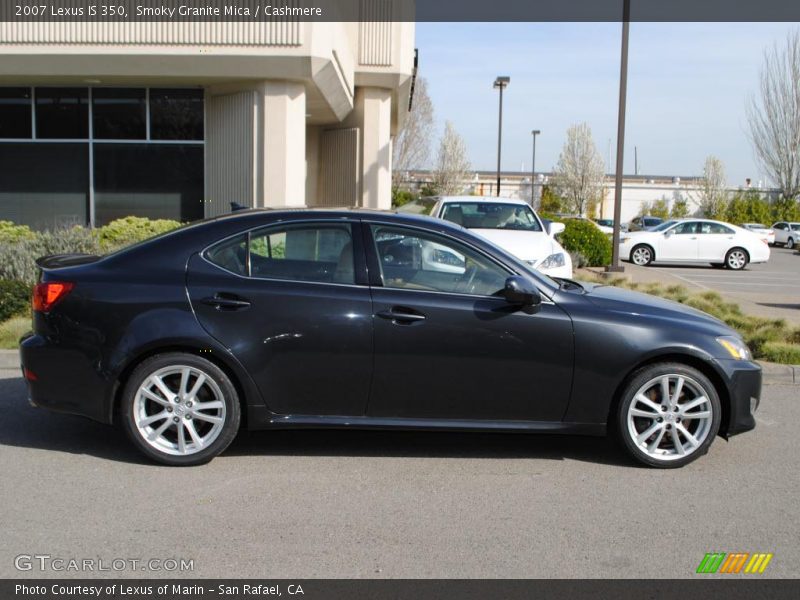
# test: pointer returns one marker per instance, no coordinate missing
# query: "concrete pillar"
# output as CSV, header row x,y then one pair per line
x,y
374,106
281,144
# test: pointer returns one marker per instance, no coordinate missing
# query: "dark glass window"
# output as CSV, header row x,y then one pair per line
x,y
159,181
230,255
44,186
176,114
62,113
15,113
321,253
119,114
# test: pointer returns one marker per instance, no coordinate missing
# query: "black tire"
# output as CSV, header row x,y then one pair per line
x,y
736,259
790,243
645,252
216,378
644,376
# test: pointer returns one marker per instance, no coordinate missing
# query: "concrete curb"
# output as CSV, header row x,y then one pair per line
x,y
772,373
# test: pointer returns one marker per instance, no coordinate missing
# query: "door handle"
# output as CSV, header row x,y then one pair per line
x,y
221,302
401,316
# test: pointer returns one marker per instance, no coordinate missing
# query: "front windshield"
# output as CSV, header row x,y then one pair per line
x,y
663,226
492,215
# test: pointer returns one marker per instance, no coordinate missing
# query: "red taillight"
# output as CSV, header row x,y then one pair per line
x,y
47,295
29,375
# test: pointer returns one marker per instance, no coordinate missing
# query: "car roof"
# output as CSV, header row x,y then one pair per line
x,y
491,199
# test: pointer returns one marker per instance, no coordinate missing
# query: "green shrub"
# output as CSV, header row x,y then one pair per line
x,y
584,238
127,231
658,208
12,330
15,299
781,352
11,232
550,202
402,197
680,209
18,259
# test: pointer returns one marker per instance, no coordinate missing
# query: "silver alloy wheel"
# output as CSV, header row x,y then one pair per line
x,y
179,410
670,417
790,243
737,259
641,256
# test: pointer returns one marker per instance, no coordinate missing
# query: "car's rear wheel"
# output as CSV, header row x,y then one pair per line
x,y
180,409
668,415
736,259
790,243
642,255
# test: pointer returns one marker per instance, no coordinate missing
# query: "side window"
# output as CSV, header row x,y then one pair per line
x,y
231,255
421,261
686,228
714,228
321,253
780,226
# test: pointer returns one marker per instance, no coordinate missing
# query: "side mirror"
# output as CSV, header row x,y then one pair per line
x,y
518,291
556,228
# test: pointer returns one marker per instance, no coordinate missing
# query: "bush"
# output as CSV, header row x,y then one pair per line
x,y
12,330
18,259
15,299
550,202
780,352
130,230
680,209
10,232
584,238
658,208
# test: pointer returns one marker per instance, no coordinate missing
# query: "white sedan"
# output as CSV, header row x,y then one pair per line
x,y
765,232
513,226
695,240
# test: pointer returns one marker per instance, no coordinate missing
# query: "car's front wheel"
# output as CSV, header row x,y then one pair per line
x,y
736,259
668,415
180,409
642,255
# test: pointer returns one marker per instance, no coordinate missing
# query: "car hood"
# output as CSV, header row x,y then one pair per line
x,y
525,245
640,304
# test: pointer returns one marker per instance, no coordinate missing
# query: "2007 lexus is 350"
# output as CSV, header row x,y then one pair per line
x,y
369,319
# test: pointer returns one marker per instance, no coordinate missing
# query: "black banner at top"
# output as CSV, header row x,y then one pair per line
x,y
398,10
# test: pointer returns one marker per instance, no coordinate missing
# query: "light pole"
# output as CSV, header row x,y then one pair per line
x,y
500,83
534,133
615,267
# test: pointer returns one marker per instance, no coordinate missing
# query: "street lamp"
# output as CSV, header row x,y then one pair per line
x,y
500,83
534,133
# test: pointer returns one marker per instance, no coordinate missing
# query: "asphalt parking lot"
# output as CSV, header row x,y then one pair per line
x,y
771,289
374,504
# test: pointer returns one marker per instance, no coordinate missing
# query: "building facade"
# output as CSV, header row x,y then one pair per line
x,y
176,120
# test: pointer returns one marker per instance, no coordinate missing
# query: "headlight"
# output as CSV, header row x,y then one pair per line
x,y
735,347
553,261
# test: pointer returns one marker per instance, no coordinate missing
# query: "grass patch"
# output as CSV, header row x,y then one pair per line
x,y
771,340
12,330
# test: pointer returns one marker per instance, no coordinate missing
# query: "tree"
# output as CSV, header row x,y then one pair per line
x,y
579,174
713,195
680,207
658,208
412,144
452,165
774,116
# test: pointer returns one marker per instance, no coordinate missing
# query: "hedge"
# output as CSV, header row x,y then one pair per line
x,y
15,299
583,238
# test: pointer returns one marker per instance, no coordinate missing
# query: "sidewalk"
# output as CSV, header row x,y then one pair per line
x,y
785,374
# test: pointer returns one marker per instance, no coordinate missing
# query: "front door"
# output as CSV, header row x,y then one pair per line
x,y
291,303
447,347
679,243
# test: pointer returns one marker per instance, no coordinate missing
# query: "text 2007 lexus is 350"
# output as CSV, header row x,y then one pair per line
x,y
356,318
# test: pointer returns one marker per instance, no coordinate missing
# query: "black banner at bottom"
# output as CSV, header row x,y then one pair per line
x,y
396,589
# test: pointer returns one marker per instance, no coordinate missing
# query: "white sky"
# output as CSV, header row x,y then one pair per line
x,y
687,88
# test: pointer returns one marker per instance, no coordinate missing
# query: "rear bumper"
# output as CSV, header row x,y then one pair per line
x,y
743,380
64,379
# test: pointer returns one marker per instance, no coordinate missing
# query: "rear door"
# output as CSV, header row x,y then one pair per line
x,y
291,302
714,241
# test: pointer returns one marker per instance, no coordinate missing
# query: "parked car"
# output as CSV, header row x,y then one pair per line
x,y
605,225
312,318
787,233
695,240
514,226
762,230
644,223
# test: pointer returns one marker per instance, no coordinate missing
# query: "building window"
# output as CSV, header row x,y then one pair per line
x,y
176,114
158,181
119,114
45,186
62,113
15,113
